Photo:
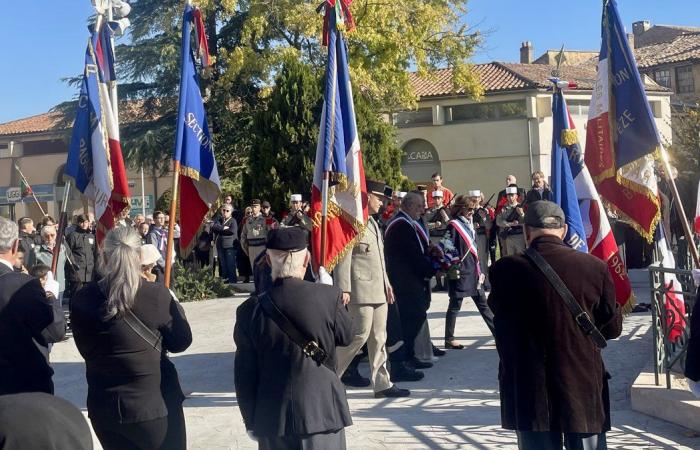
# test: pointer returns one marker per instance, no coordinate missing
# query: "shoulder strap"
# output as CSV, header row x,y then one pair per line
x,y
309,347
143,331
580,316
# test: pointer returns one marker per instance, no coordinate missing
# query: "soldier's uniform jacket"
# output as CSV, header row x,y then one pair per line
x,y
297,220
362,272
254,232
508,214
280,391
437,219
482,220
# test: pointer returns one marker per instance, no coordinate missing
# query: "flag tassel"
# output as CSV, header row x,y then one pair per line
x,y
171,224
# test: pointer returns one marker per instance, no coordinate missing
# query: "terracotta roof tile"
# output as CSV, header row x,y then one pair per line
x,y
685,47
33,124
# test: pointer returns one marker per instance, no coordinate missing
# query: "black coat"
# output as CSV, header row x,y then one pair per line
x,y
533,195
692,359
83,255
407,265
551,374
41,421
25,313
281,392
27,244
225,238
124,373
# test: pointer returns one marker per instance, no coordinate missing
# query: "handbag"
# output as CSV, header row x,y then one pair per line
x,y
581,317
309,347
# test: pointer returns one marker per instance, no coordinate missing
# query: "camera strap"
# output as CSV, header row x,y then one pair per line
x,y
309,347
581,317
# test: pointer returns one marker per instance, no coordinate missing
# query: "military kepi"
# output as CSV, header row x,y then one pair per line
x,y
289,239
376,187
544,214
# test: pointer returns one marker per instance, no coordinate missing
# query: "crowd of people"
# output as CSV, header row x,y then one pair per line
x,y
299,342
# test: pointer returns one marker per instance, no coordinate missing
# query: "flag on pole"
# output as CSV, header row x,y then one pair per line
x,y
622,138
25,188
199,176
95,159
564,148
338,154
598,234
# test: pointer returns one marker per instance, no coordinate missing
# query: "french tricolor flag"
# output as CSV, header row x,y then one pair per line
x,y
339,193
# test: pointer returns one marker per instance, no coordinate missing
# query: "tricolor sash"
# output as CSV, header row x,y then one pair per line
x,y
461,229
421,235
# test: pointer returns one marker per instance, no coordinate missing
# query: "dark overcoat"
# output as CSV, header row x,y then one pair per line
x,y
692,359
551,375
25,313
280,391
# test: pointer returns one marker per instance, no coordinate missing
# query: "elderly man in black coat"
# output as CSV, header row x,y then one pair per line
x,y
289,400
406,245
552,380
25,313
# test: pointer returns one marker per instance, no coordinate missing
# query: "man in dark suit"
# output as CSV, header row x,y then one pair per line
x,y
552,380
225,231
409,268
287,399
25,313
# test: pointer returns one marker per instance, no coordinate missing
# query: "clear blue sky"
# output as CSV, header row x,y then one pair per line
x,y
44,40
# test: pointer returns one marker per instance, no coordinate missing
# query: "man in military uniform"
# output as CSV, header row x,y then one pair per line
x,y
437,186
361,275
254,232
510,221
296,216
269,215
437,217
482,221
292,398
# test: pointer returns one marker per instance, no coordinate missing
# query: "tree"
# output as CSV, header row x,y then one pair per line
x,y
686,154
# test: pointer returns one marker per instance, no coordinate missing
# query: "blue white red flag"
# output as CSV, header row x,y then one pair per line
x,y
95,159
194,149
565,146
338,156
597,232
621,137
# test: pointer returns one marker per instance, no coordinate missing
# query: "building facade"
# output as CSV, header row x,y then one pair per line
x,y
38,147
475,145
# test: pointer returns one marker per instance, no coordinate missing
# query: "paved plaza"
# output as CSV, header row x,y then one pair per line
x,y
455,406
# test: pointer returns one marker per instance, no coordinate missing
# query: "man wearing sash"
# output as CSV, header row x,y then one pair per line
x,y
406,245
469,281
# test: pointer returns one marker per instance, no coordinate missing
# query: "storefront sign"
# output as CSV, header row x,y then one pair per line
x,y
13,195
137,202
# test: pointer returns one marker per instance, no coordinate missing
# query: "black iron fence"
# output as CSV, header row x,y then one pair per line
x,y
670,319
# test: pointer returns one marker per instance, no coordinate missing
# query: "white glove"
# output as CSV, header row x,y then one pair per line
x,y
694,387
52,285
696,276
324,277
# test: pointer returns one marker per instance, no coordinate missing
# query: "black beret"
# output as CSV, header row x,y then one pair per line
x,y
289,239
544,214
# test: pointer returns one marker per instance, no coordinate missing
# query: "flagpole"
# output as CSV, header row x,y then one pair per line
x,y
680,210
324,218
143,193
171,224
43,213
62,223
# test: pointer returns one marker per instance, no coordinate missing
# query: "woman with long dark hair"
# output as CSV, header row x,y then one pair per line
x,y
123,326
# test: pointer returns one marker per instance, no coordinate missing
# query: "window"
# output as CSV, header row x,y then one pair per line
x,y
421,116
487,111
663,77
578,107
5,151
684,80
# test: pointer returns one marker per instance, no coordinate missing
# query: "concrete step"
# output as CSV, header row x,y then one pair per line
x,y
676,405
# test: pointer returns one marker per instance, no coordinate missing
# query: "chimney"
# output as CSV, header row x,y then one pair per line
x,y
526,52
630,40
640,27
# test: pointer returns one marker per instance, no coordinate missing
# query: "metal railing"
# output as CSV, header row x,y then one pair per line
x,y
670,325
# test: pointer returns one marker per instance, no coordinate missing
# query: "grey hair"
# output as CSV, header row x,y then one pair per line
x,y
46,229
411,199
121,266
9,233
287,264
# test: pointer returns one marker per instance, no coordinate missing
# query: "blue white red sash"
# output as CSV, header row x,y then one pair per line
x,y
461,229
421,234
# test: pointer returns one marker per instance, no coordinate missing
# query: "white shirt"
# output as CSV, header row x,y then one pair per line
x,y
7,263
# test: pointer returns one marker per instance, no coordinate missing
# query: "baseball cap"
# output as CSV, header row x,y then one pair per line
x,y
544,214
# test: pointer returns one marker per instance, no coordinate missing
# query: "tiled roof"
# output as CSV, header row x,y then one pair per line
x,y
129,112
33,124
661,33
503,77
685,47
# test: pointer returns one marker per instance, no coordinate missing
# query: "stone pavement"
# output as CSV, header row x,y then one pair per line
x,y
455,406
